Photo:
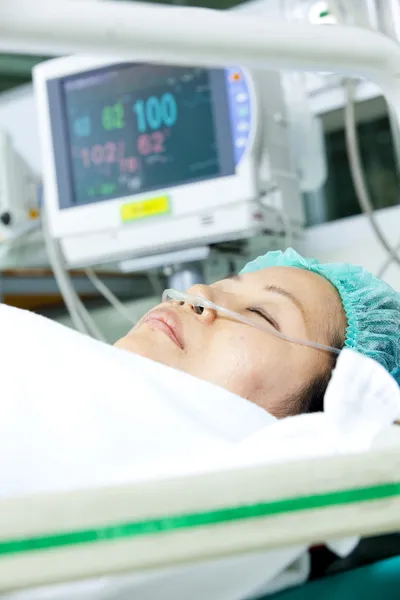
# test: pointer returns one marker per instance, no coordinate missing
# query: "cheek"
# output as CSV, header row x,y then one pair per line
x,y
249,365
262,369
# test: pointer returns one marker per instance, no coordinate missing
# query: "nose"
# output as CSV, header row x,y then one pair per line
x,y
218,295
206,315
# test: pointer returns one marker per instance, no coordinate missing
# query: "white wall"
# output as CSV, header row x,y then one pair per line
x,y
18,117
353,240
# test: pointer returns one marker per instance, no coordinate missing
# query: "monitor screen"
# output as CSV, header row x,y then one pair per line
x,y
135,128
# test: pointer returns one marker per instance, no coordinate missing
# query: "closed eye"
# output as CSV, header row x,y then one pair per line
x,y
264,315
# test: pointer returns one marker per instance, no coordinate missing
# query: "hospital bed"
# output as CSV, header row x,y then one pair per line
x,y
67,537
114,467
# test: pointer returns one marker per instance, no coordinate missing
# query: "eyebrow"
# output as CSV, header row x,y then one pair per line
x,y
286,294
276,289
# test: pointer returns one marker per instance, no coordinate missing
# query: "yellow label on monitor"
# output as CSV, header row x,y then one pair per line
x,y
145,208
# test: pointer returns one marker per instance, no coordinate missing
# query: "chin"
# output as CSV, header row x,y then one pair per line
x,y
130,343
142,346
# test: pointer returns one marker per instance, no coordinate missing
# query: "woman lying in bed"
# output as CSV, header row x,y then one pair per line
x,y
336,305
79,414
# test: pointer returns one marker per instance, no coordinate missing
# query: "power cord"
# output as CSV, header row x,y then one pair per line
x,y
358,178
109,295
105,291
386,264
81,319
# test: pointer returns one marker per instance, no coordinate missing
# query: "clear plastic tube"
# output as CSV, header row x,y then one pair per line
x,y
199,301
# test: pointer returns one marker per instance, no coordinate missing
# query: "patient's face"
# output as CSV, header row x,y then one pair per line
x,y
249,362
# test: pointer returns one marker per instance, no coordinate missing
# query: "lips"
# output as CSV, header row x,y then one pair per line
x,y
168,322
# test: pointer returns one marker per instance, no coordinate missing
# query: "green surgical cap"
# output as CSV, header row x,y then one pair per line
x,y
372,307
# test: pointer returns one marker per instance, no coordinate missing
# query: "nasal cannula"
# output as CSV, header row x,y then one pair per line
x,y
199,301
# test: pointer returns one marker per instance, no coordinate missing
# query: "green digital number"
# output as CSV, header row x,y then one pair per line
x,y
113,117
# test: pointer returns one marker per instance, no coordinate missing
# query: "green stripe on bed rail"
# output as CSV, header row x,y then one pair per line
x,y
200,519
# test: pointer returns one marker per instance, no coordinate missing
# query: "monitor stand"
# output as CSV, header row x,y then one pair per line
x,y
185,276
183,268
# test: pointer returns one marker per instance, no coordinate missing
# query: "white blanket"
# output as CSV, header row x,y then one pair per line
x,y
76,413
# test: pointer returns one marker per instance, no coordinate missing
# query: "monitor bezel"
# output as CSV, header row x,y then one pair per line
x,y
105,215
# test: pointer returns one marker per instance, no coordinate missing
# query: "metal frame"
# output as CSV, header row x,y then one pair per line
x,y
198,37
47,539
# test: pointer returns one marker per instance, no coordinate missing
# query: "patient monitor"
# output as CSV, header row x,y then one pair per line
x,y
142,159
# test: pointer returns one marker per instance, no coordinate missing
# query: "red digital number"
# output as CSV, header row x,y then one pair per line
x,y
110,152
144,145
158,142
120,150
97,154
129,164
151,144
